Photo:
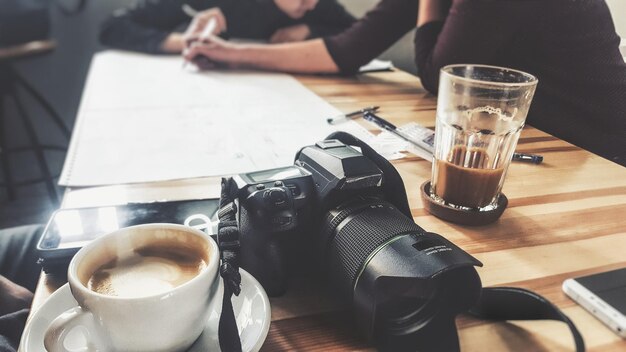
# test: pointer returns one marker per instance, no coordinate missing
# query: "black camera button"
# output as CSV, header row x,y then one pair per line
x,y
281,220
276,196
295,190
260,187
278,184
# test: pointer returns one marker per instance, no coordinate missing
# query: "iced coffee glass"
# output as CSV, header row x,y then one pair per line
x,y
481,111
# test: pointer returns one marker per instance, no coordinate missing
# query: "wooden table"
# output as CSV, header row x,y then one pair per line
x,y
566,217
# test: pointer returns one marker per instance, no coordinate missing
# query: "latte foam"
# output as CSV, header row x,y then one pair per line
x,y
149,271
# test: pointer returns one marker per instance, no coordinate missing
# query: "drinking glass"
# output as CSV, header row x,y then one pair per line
x,y
481,111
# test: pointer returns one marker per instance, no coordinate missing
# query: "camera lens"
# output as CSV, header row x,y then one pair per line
x,y
353,233
363,243
403,315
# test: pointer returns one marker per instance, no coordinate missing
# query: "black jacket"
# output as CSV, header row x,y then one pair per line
x,y
143,26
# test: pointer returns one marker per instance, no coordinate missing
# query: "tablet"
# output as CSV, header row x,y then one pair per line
x,y
70,229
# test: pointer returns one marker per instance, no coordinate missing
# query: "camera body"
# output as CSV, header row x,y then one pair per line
x,y
345,212
280,209
272,210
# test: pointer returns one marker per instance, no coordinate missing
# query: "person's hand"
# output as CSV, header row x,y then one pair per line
x,y
213,52
296,33
197,30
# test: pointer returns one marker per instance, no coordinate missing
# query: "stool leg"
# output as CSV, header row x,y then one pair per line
x,y
46,105
41,159
4,154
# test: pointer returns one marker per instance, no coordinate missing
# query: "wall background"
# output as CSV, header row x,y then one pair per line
x,y
618,9
402,52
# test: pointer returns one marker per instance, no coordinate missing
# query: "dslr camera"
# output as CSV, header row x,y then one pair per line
x,y
342,208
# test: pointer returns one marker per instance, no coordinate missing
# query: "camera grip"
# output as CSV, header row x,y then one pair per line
x,y
263,256
266,262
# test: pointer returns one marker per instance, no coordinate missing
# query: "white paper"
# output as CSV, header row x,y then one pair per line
x,y
422,136
145,118
391,146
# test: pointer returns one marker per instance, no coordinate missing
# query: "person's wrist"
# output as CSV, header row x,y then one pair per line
x,y
307,31
173,43
239,54
430,11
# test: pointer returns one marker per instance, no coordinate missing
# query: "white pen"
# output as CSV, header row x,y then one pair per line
x,y
428,144
189,11
208,29
388,126
210,26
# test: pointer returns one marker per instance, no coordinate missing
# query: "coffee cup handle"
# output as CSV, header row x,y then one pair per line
x,y
54,339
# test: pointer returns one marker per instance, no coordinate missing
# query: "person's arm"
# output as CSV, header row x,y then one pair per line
x,y
431,11
345,52
328,18
474,31
295,33
367,38
309,56
148,26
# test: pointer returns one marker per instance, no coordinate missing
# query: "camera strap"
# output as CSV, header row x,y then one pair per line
x,y
514,303
229,245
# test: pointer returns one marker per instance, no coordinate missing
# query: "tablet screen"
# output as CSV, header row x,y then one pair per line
x,y
73,228
610,286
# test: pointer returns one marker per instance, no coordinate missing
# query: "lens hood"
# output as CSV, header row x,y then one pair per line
x,y
412,288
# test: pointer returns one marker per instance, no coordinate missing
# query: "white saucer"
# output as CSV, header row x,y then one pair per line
x,y
252,312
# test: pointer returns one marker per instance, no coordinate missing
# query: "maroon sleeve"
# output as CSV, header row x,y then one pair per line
x,y
367,38
475,31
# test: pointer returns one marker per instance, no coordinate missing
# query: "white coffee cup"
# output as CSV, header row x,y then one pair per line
x,y
169,320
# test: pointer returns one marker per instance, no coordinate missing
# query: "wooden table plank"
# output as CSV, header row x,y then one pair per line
x,y
566,218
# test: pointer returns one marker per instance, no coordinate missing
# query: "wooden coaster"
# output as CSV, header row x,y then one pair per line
x,y
461,216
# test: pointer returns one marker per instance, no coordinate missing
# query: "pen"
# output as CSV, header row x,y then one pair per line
x,y
189,11
210,26
342,118
208,29
388,126
531,158
429,147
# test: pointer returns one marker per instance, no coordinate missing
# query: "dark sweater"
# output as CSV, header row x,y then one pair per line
x,y
367,38
572,48
145,25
